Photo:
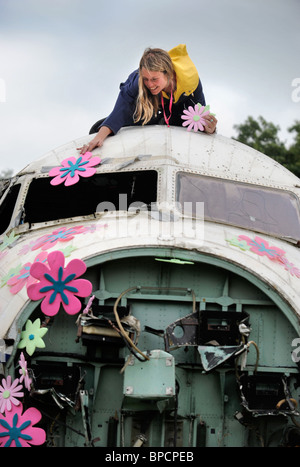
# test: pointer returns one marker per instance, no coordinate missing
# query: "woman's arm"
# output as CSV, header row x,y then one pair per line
x,y
97,141
121,115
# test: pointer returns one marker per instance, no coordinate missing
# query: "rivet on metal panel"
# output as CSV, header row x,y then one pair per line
x,y
169,361
129,389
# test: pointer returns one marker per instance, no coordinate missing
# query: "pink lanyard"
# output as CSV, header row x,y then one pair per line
x,y
170,108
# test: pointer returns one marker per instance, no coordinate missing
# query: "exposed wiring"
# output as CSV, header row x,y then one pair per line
x,y
124,334
279,404
257,353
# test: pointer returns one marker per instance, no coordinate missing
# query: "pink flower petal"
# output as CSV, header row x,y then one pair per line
x,y
56,259
186,123
74,305
94,161
75,266
65,162
33,292
37,270
57,181
186,117
88,173
50,309
55,172
72,180
205,113
83,286
15,401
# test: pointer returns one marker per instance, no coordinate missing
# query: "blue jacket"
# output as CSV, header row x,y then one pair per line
x,y
122,113
188,93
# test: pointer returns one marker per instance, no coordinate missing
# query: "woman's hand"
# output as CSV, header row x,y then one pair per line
x,y
97,141
210,126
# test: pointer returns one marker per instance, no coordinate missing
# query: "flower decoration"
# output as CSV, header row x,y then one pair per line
x,y
18,430
8,240
31,337
92,228
9,391
23,277
242,244
12,272
72,169
89,304
63,234
24,372
59,285
262,248
26,248
68,250
290,267
194,117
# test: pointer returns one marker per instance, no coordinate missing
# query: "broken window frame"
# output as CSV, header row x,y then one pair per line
x,y
8,205
50,207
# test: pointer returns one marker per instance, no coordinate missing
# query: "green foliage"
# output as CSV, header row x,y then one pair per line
x,y
263,136
7,173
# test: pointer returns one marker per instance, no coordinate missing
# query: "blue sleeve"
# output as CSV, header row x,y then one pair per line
x,y
122,114
199,95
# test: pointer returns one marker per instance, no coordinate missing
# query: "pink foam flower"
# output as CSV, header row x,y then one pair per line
x,y
26,248
18,430
59,285
72,169
194,117
63,234
24,376
290,267
262,248
17,282
9,391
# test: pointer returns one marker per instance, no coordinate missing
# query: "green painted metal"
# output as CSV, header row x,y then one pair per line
x,y
123,403
159,381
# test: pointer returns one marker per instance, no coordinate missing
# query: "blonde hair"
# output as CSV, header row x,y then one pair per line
x,y
147,104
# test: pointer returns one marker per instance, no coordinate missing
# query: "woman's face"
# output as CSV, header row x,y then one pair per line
x,y
155,81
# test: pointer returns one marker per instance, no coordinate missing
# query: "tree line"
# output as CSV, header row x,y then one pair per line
x,y
263,136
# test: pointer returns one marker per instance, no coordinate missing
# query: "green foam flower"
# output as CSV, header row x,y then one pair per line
x,y
8,240
31,337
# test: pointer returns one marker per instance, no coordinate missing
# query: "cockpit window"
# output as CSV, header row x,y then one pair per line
x,y
106,191
7,207
258,208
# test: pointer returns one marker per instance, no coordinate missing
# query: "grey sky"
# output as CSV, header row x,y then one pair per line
x,y
62,62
